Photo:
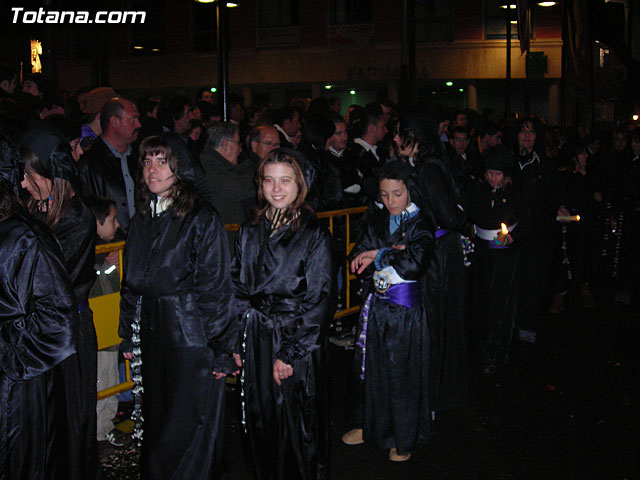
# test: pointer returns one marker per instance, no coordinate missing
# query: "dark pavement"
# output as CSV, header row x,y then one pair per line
x,y
566,408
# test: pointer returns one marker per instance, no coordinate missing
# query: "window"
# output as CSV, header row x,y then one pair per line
x,y
203,27
495,26
277,13
150,37
350,11
433,20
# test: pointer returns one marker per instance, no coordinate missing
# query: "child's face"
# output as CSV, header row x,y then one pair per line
x,y
107,229
395,195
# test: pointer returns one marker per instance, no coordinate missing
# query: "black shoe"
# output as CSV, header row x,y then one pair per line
x,y
118,438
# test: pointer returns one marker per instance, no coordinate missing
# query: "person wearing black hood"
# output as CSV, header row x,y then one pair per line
x,y
539,181
175,319
50,177
491,203
447,283
38,331
392,352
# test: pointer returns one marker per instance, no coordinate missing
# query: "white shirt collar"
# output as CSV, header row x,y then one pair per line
x,y
369,148
279,128
336,152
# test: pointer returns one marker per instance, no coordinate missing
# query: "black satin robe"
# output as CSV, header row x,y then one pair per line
x,y
38,328
495,271
284,290
179,267
396,383
76,234
445,288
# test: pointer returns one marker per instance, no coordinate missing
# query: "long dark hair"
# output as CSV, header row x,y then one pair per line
x,y
9,203
61,189
293,212
182,194
413,130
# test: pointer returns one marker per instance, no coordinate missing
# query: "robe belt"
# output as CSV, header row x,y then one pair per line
x,y
267,304
82,306
407,295
441,232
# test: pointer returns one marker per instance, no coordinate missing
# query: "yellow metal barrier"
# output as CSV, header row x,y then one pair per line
x,y
106,308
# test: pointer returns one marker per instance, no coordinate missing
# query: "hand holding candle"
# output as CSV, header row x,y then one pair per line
x,y
503,238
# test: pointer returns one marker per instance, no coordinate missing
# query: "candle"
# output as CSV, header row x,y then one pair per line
x,y
504,229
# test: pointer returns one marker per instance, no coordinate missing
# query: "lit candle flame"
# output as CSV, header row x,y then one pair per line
x,y
504,229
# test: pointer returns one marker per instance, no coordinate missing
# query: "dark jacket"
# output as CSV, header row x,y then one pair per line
x,y
101,175
232,187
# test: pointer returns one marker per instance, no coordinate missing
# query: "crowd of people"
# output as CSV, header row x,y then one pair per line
x,y
474,227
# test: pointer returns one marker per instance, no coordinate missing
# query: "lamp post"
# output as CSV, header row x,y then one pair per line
x,y
222,51
508,6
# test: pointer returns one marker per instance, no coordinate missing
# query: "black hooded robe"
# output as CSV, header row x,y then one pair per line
x,y
495,270
76,234
178,268
284,289
396,384
38,329
445,288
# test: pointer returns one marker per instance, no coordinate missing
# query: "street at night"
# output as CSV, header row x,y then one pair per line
x,y
564,409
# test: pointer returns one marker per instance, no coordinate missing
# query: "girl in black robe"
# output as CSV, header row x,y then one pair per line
x,y
38,324
283,276
175,300
392,350
447,279
51,179
489,203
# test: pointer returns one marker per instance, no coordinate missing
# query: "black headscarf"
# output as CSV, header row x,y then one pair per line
x,y
399,170
499,158
53,151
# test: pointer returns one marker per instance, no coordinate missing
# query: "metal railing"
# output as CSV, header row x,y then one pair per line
x,y
106,308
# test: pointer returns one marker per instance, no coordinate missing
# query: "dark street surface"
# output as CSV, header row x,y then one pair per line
x,y
566,408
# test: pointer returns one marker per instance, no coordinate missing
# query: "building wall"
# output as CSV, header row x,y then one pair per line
x,y
366,57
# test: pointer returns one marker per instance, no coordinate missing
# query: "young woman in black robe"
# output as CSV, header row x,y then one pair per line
x,y
174,311
392,351
37,332
283,277
490,203
447,277
51,179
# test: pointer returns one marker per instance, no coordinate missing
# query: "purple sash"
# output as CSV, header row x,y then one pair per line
x,y
441,232
404,294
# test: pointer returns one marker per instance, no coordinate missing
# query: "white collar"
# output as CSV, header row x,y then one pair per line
x,y
369,148
161,205
365,145
534,158
279,128
336,152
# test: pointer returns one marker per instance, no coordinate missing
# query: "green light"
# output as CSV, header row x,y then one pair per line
x,y
449,84
328,87
214,89
352,92
461,90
